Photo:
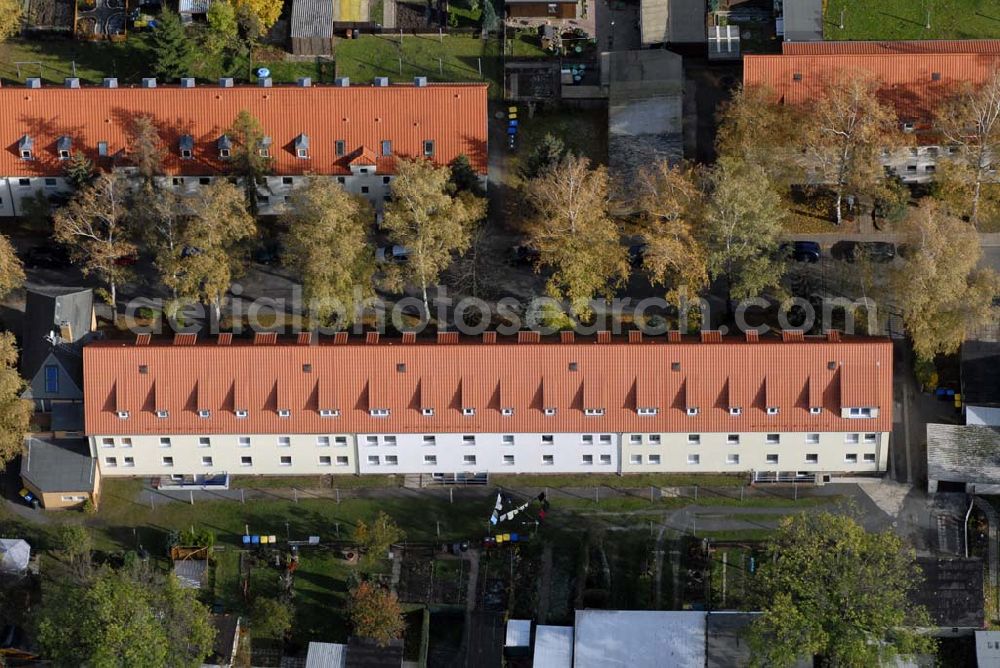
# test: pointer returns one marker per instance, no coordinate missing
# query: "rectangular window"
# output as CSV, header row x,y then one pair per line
x,y
605,460
284,441
812,459
647,411
428,147
204,442
588,439
851,438
379,412
549,411
240,413
364,190
773,439
129,462
126,442
322,441
329,412
286,460
204,413
869,458
772,410
605,439
167,461
386,180
859,412
732,459
427,412
371,440
108,442
812,438
284,412
735,410
373,460
51,378
204,180
430,460
164,441
771,459
635,439
815,410
50,183
111,461
587,460
593,412
342,461
692,411
635,459
851,458
162,414
246,460
340,147
871,438
548,439
430,439
469,460
468,439
507,412
325,460
24,182
468,412
389,440
654,439
733,439
654,460
244,441
391,460
508,460
206,461
507,439
386,147
694,439
340,441
286,180
694,459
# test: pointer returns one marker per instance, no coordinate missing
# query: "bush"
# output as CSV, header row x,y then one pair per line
x,y
926,373
89,507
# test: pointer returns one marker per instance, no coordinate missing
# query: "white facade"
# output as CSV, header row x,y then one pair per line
x,y
16,190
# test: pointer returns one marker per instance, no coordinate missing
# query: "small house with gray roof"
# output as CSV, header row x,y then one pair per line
x,y
60,472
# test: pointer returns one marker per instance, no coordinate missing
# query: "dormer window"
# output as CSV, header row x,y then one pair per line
x,y
859,412
379,412
284,412
123,415
186,146
507,411
302,146
647,411
428,148
549,411
25,147
225,146
204,413
815,410
162,413
64,146
692,411
241,413
772,410
340,148
735,411
264,148
593,412
468,412
329,412
427,412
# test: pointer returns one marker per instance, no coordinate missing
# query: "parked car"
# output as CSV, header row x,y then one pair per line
x,y
52,256
392,254
802,251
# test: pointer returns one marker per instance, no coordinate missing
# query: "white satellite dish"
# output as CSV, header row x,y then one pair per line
x,y
263,72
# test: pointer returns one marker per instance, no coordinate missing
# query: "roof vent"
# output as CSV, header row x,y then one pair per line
x,y
342,82
33,82
305,82
604,336
489,337
187,82
711,336
447,337
110,82
635,336
142,339
409,337
792,335
265,338
340,338
72,82
753,336
674,336
148,82
381,82
420,82
304,338
225,338
528,336
185,339
371,338
567,337
264,82
226,82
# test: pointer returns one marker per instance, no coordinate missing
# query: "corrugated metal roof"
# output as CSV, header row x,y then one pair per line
x,y
553,647
963,453
326,655
541,375
312,18
915,84
983,46
454,116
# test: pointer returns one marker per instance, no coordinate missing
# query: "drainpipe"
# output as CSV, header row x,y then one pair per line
x,y
967,513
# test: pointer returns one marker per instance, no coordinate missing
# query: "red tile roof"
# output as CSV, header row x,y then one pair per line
x,y
355,378
908,80
985,46
454,116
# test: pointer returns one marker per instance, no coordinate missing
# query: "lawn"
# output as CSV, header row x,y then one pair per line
x,y
450,58
313,482
907,19
627,481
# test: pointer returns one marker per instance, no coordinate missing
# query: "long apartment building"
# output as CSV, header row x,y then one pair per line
x,y
348,132
778,407
915,77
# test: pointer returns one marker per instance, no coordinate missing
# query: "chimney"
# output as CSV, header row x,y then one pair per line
x,y
340,338
148,82
753,336
635,336
33,82
674,336
265,338
184,339
110,82
604,336
342,82
381,82
833,336
264,82
489,337
420,82
304,338
142,339
567,337
226,82
187,82
305,82
409,337
792,335
528,336
448,337
72,82
371,338
711,336
225,338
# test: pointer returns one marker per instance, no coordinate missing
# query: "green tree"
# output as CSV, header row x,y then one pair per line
x,y
270,618
249,161
375,539
429,221
145,148
375,613
753,128
742,229
160,216
544,155
489,16
827,587
11,16
75,542
463,177
173,50
94,225
79,170
118,618
265,12
219,225
327,249
223,32
11,269
15,412
575,236
940,288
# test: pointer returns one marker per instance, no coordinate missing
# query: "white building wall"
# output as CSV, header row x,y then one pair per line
x,y
16,190
144,455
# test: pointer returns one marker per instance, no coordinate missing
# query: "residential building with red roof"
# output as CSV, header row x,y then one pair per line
x,y
784,407
915,79
349,132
